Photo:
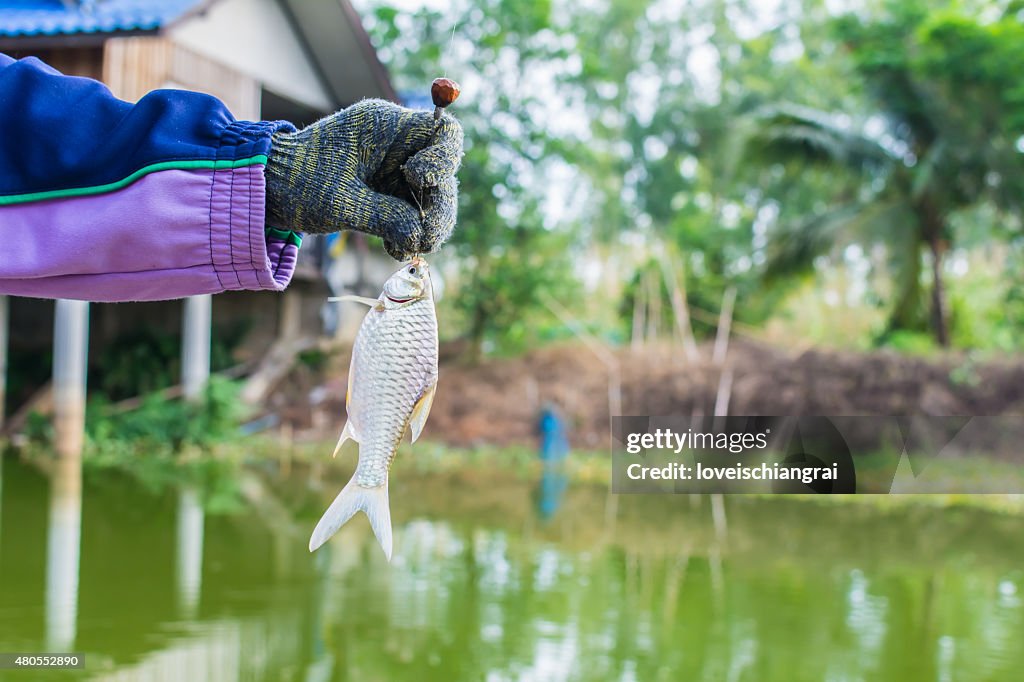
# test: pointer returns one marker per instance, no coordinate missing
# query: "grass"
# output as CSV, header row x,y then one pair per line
x,y
216,470
592,468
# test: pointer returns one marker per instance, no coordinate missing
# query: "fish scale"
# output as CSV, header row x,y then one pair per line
x,y
392,378
387,386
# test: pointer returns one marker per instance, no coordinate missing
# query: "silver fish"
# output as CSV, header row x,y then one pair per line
x,y
391,384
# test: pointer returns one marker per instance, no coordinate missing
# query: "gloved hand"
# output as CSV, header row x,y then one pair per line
x,y
374,167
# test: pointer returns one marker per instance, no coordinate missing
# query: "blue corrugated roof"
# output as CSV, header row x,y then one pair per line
x,y
416,100
53,17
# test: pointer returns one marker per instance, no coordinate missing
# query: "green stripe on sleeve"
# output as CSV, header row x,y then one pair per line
x,y
284,235
193,164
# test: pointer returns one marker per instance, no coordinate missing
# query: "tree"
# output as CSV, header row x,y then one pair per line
x,y
506,249
941,133
662,88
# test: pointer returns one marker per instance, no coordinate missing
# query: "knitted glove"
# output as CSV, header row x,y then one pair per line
x,y
374,167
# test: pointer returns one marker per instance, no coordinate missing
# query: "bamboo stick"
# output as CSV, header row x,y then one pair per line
x,y
724,327
680,310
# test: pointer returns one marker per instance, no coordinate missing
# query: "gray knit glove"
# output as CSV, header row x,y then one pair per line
x,y
374,167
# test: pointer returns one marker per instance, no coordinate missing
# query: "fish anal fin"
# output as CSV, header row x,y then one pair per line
x,y
420,412
346,433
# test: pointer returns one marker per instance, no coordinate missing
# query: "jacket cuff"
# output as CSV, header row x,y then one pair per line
x,y
245,253
246,139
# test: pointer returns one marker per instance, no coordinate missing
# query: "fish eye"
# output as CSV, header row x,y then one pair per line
x,y
412,269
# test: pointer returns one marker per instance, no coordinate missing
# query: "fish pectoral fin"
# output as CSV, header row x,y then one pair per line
x,y
346,433
348,389
355,299
421,411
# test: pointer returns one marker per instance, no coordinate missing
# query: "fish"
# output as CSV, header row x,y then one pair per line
x,y
392,379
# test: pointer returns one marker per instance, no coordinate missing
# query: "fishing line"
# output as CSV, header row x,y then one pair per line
x,y
451,45
417,196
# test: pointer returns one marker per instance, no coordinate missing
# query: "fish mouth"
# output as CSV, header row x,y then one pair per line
x,y
398,300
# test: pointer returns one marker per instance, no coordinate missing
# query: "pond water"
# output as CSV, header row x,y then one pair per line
x,y
505,579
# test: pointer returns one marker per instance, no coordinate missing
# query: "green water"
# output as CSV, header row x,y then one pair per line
x,y
483,587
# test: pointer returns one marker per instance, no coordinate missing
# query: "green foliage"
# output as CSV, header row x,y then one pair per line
x,y
751,145
147,360
944,86
506,251
28,368
507,262
137,363
214,478
173,424
910,342
169,442
313,358
38,429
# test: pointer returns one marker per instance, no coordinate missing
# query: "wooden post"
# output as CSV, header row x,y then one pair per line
x,y
195,346
725,379
291,314
70,355
4,337
680,309
724,327
723,396
653,305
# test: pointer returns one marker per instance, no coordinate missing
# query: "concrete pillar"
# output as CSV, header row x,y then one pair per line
x,y
4,340
1,491
62,554
70,356
195,345
195,375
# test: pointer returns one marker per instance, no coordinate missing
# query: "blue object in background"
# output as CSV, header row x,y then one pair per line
x,y
554,448
554,444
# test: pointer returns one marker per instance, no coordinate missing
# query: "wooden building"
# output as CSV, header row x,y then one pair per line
x,y
271,59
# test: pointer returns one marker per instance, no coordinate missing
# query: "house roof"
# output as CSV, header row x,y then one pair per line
x,y
330,31
57,17
336,39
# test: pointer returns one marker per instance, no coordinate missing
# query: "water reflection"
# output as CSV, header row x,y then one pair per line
x,y
190,550
477,592
62,553
548,493
321,662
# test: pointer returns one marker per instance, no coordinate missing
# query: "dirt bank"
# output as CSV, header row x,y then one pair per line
x,y
497,400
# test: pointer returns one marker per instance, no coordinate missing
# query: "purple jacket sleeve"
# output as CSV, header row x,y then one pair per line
x,y
103,200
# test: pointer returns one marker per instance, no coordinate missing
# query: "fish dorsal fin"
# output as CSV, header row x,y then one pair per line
x,y
346,433
355,299
421,411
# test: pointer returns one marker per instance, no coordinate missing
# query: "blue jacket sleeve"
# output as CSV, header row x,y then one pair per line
x,y
104,200
62,132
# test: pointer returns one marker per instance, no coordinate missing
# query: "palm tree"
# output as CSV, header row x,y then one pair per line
x,y
941,140
886,208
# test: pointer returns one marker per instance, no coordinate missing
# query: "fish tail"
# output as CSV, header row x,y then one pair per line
x,y
353,498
